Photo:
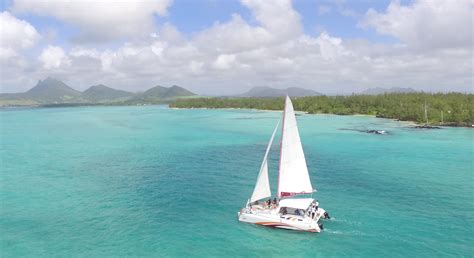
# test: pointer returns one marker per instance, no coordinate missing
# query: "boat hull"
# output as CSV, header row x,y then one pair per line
x,y
277,221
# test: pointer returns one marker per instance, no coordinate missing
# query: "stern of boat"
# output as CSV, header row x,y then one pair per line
x,y
275,220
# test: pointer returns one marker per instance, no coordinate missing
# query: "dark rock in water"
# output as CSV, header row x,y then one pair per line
x,y
426,127
365,131
376,131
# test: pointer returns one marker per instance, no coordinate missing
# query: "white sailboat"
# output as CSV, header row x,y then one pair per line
x,y
288,212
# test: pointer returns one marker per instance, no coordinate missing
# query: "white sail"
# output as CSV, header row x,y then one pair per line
x,y
293,177
262,188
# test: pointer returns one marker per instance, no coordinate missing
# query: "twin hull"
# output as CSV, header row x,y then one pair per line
x,y
277,221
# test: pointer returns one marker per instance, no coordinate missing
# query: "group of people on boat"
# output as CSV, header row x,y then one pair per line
x,y
311,212
268,204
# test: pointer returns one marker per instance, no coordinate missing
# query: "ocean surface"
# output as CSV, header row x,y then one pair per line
x,y
154,181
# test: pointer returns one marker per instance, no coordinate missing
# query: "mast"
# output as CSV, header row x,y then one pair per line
x,y
281,146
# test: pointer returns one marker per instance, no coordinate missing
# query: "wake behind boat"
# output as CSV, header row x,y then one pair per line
x,y
287,212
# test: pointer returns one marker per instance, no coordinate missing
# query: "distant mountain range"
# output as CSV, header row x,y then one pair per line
x,y
268,92
52,91
377,91
55,92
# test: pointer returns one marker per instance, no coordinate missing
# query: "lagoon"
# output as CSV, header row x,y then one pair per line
x,y
149,181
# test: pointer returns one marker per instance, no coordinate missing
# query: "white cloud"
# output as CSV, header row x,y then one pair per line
x,y
271,50
170,33
277,22
6,53
81,51
278,17
196,67
426,23
330,47
224,62
15,35
235,35
54,57
100,20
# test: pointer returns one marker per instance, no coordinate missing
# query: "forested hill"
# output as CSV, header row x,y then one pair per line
x,y
451,109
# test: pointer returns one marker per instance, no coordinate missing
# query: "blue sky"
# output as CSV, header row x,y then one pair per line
x,y
192,16
228,46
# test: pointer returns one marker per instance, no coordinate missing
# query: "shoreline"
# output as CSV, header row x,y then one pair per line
x,y
409,123
255,109
72,105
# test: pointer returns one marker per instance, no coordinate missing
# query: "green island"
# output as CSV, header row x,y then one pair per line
x,y
445,109
430,109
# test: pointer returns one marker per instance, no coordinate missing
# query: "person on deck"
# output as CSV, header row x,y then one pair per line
x,y
313,211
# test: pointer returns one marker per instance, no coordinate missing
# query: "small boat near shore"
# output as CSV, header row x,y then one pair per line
x,y
289,209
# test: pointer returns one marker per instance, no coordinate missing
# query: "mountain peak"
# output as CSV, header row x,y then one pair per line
x,y
51,79
49,82
164,92
98,93
98,87
52,90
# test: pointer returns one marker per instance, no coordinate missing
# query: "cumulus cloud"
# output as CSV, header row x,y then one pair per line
x,y
54,57
237,34
330,47
224,62
100,20
426,23
278,17
277,22
269,50
325,63
15,35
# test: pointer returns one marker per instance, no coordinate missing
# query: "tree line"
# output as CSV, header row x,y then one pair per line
x,y
450,109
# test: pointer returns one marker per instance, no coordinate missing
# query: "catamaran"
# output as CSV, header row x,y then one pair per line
x,y
291,210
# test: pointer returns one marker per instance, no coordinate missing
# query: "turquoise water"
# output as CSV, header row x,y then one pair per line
x,y
149,181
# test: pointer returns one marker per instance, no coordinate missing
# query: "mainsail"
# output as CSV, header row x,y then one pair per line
x,y
293,177
262,188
